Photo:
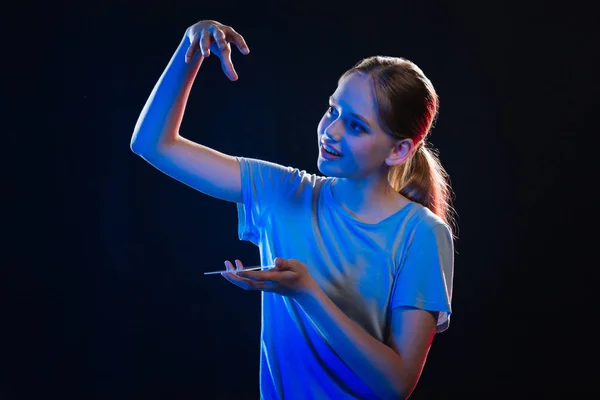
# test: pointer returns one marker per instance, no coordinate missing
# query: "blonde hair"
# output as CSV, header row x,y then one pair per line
x,y
408,107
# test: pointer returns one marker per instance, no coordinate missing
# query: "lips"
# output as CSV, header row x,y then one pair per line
x,y
327,156
331,150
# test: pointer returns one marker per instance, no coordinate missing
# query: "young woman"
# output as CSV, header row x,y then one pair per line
x,y
363,255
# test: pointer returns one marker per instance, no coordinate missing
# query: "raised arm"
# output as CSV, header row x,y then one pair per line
x,y
156,135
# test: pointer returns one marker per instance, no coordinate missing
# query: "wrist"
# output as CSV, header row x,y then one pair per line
x,y
309,295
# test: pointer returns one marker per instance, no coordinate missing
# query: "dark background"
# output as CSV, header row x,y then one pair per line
x,y
104,294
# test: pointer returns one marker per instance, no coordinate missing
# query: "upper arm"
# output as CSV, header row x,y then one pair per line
x,y
202,168
411,334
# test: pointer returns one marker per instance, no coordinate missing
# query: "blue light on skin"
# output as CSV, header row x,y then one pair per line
x,y
367,150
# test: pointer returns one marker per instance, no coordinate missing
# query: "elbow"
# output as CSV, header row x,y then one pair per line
x,y
141,141
148,145
135,144
140,147
136,147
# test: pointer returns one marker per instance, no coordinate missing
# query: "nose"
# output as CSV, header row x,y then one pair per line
x,y
332,131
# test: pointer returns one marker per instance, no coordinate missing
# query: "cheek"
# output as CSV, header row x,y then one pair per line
x,y
368,153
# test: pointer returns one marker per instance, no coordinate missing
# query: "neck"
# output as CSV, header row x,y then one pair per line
x,y
364,195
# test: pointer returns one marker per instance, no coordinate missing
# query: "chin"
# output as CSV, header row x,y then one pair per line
x,y
327,170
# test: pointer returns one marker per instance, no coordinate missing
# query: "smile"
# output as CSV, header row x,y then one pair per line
x,y
329,155
330,150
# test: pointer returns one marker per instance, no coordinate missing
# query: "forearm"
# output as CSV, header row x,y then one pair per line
x,y
161,117
374,362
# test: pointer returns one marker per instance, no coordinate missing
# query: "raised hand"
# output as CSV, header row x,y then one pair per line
x,y
210,36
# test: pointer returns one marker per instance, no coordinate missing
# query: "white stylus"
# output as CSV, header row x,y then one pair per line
x,y
253,268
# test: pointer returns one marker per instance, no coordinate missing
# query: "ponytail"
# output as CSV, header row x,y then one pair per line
x,y
423,179
408,105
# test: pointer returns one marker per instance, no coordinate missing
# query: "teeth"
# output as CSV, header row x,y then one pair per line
x,y
329,149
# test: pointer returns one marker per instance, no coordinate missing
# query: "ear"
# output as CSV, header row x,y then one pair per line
x,y
400,152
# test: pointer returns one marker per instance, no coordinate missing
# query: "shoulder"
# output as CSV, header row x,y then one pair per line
x,y
427,225
424,216
281,180
273,167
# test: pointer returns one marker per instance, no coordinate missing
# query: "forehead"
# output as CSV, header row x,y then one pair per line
x,y
356,92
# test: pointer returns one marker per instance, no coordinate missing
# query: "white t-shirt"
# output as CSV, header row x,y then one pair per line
x,y
365,269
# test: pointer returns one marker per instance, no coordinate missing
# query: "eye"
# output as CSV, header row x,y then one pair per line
x,y
353,125
356,127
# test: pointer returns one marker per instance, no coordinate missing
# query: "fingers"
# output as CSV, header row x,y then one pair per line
x,y
230,267
274,276
281,264
226,63
189,54
245,283
221,36
225,50
227,66
232,277
205,40
239,265
257,275
239,41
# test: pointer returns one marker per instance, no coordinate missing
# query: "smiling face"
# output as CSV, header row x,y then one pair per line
x,y
351,126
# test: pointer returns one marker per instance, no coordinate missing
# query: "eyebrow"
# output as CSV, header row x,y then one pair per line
x,y
355,115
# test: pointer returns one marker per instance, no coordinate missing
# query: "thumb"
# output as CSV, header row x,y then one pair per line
x,y
227,65
279,262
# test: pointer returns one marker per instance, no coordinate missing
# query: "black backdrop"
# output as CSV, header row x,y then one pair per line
x,y
105,294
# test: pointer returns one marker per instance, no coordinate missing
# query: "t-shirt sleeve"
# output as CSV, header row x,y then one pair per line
x,y
263,185
424,280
